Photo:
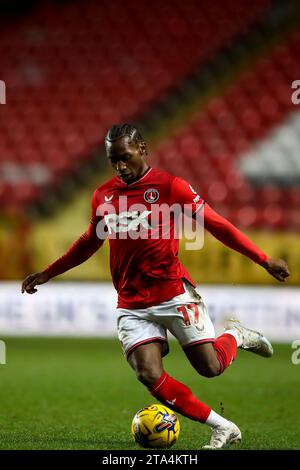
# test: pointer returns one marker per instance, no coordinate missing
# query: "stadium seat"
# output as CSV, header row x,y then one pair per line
x,y
245,143
73,73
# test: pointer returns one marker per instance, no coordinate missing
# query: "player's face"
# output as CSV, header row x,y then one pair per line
x,y
127,158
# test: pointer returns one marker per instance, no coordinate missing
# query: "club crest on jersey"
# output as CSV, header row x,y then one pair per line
x,y
151,195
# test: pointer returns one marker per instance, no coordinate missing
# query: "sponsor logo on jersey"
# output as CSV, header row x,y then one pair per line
x,y
151,195
126,221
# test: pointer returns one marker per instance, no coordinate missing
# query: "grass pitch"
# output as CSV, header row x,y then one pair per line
x,y
81,394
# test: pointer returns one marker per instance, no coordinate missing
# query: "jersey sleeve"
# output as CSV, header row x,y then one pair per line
x,y
82,249
231,236
184,194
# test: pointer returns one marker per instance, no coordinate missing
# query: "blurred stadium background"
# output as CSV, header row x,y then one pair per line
x,y
208,83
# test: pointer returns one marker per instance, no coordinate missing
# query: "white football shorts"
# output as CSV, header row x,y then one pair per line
x,y
185,316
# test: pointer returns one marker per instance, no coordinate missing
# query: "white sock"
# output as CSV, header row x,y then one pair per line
x,y
214,420
235,334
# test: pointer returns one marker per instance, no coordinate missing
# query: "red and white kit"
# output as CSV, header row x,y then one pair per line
x,y
155,291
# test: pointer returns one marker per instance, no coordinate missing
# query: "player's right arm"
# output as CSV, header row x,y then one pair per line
x,y
81,250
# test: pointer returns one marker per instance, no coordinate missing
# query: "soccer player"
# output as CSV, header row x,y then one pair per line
x,y
155,292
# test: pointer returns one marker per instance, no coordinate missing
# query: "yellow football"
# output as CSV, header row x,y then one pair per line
x,y
155,426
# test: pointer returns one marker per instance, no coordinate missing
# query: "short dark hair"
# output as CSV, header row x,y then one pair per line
x,y
121,130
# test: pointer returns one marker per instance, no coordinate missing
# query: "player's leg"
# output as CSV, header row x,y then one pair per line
x,y
146,360
144,342
192,326
212,358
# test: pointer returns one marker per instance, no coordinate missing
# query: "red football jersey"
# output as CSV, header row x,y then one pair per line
x,y
144,260
143,241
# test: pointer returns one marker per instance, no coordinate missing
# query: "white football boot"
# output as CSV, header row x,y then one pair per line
x,y
223,436
250,340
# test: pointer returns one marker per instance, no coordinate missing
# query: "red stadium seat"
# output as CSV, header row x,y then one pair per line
x,y
213,139
86,70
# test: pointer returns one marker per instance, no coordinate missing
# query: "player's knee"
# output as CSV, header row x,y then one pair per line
x,y
148,376
210,369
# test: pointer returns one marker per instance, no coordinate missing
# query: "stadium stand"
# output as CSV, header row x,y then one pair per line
x,y
208,82
241,150
73,72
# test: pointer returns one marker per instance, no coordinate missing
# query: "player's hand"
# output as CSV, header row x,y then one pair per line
x,y
278,268
33,280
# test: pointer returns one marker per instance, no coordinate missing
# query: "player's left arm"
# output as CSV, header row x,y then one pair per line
x,y
184,194
232,237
